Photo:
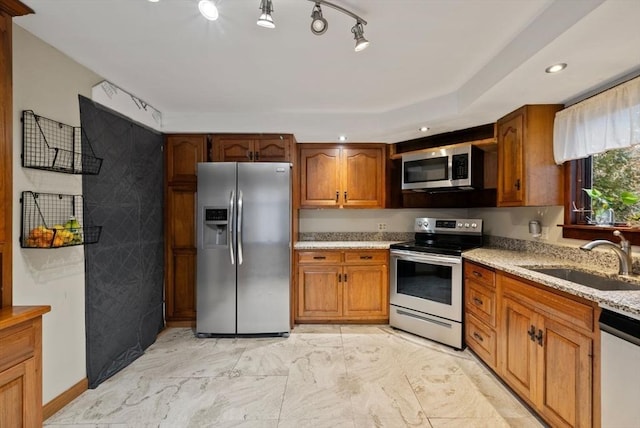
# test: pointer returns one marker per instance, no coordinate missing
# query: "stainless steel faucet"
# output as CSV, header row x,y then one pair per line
x,y
623,251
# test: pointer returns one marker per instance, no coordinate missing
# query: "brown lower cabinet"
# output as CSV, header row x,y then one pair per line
x,y
21,366
342,286
541,343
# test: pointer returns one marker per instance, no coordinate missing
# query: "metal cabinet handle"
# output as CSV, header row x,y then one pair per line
x,y
366,257
345,196
517,184
337,195
250,154
257,155
319,257
532,333
240,227
339,277
539,337
345,277
477,336
477,274
477,301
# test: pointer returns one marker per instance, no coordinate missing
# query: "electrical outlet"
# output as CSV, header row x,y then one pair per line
x,y
382,226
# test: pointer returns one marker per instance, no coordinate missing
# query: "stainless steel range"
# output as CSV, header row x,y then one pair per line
x,y
426,278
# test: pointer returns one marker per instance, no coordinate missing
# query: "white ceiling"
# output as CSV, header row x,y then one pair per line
x,y
447,64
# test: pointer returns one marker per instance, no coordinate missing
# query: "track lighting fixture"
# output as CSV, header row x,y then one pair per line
x,y
358,35
266,20
208,9
319,25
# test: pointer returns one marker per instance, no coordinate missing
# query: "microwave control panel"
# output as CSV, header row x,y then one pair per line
x,y
460,166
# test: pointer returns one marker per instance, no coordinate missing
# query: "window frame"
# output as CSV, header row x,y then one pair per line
x,y
577,175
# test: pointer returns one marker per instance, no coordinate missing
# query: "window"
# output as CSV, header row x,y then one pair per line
x,y
613,174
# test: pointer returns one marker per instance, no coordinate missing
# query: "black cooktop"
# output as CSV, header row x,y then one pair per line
x,y
451,245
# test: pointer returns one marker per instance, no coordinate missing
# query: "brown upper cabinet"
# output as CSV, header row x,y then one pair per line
x,y
349,176
252,147
184,151
527,173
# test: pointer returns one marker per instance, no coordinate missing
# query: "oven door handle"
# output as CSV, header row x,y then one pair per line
x,y
431,258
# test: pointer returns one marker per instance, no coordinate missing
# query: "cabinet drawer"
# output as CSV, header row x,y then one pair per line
x,y
481,339
555,306
16,345
360,257
481,301
319,257
479,273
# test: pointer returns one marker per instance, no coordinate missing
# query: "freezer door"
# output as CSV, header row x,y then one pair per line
x,y
264,247
216,275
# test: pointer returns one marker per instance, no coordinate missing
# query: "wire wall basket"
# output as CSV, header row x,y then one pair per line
x,y
54,146
54,220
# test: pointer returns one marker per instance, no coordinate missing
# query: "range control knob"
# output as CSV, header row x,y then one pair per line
x,y
473,225
466,225
459,224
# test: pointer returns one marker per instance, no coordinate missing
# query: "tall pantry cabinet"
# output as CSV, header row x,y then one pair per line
x,y
20,326
183,152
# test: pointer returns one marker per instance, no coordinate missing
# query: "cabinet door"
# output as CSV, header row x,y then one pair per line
x,y
565,398
183,154
18,395
228,149
362,177
275,148
366,292
319,292
510,162
320,177
518,360
181,254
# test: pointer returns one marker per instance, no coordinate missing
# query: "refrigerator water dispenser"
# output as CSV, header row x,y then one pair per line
x,y
215,230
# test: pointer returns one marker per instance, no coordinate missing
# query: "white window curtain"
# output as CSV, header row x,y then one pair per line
x,y
609,120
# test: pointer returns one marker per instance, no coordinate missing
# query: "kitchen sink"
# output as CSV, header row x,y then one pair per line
x,y
587,279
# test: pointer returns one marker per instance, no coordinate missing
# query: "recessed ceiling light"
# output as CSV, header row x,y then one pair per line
x,y
154,1
424,128
208,9
555,68
342,138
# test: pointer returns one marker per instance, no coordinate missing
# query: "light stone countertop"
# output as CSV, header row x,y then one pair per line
x,y
343,245
511,261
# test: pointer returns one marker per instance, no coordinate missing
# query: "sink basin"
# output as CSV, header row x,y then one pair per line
x,y
587,279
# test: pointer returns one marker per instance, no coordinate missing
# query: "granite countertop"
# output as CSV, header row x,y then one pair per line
x,y
343,245
513,262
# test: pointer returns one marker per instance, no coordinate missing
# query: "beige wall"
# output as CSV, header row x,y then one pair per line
x,y
48,82
505,222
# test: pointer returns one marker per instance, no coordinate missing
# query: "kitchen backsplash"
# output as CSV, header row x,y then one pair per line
x,y
355,236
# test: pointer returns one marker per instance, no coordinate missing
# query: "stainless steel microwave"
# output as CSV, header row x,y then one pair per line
x,y
455,168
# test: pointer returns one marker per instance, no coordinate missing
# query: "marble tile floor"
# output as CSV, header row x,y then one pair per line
x,y
322,376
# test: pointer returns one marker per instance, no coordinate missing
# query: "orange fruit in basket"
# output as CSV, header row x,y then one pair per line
x,y
58,241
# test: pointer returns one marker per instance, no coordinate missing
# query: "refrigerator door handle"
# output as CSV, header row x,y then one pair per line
x,y
239,227
232,199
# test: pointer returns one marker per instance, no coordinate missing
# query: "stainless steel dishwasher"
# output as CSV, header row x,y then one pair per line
x,y
620,370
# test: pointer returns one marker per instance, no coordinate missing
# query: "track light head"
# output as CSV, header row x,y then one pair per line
x,y
266,20
319,25
358,35
208,9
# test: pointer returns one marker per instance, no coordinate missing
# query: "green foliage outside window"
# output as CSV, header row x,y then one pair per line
x,y
616,179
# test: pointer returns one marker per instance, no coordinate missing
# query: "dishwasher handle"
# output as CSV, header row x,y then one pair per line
x,y
621,326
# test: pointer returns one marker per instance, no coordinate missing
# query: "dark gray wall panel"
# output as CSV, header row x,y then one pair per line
x,y
124,270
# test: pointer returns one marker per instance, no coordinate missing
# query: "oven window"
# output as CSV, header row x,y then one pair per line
x,y
424,281
420,171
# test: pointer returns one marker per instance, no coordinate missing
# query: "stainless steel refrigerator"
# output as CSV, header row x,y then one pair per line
x,y
244,248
